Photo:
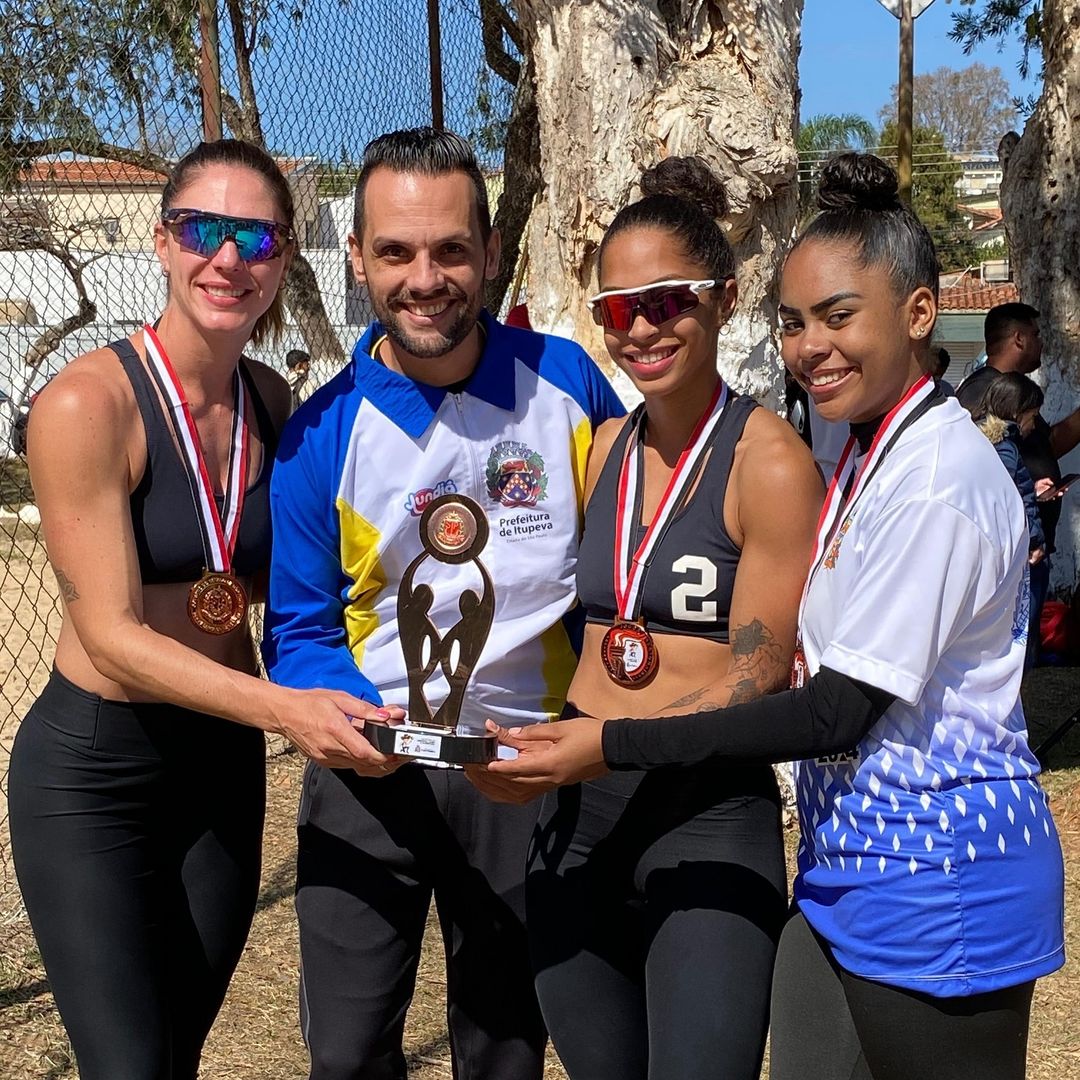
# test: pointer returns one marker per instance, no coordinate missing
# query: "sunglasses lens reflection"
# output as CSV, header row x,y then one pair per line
x,y
204,234
656,306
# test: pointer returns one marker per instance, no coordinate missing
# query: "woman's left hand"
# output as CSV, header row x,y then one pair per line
x,y
564,752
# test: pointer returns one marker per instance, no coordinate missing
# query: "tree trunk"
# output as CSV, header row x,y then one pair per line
x,y
304,301
1040,198
521,181
615,93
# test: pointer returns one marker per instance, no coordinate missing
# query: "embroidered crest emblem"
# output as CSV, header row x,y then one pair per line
x,y
515,475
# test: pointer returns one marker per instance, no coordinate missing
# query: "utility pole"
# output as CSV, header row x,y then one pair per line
x,y
906,82
209,70
435,64
907,11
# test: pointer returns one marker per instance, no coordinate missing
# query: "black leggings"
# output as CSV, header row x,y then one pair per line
x,y
831,1025
655,902
136,832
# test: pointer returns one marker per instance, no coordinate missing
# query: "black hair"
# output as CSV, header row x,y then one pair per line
x,y
296,357
241,154
941,359
429,152
683,196
1002,320
1008,396
859,203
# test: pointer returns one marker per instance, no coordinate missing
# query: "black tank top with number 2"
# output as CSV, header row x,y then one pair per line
x,y
690,580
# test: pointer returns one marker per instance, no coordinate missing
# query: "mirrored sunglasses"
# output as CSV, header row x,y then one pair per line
x,y
204,233
616,309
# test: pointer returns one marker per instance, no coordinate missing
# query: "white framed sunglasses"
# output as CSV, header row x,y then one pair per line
x,y
616,309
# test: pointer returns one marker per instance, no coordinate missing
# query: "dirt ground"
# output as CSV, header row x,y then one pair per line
x,y
257,1038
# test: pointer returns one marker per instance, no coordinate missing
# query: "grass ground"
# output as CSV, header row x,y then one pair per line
x,y
256,1037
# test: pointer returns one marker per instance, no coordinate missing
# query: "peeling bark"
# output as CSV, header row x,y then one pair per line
x,y
1040,199
621,86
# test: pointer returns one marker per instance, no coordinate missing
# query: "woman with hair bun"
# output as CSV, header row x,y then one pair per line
x,y
655,900
137,777
929,894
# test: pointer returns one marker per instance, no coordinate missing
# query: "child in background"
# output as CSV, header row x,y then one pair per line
x,y
1006,415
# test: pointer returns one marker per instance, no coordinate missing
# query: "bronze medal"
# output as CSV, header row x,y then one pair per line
x,y
217,603
629,654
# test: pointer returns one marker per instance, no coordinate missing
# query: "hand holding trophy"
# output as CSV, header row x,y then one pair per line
x,y
453,529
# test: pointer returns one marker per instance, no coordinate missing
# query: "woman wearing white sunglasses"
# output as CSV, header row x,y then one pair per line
x,y
929,896
655,901
136,783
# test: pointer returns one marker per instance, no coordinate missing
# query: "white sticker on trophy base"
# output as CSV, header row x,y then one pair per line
x,y
419,744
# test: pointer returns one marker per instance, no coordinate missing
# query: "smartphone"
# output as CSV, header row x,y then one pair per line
x,y
1060,487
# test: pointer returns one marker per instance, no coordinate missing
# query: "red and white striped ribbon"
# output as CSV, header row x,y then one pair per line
x,y
219,530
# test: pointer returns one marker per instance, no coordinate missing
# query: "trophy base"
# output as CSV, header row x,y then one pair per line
x,y
431,743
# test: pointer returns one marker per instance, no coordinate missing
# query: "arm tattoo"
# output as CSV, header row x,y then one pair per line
x,y
757,668
757,662
67,586
687,699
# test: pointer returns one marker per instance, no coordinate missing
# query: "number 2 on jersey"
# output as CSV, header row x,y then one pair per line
x,y
704,610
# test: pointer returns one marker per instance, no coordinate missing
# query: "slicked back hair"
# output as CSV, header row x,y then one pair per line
x,y
860,206
425,151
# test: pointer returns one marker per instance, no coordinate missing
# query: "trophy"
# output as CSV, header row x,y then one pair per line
x,y
454,530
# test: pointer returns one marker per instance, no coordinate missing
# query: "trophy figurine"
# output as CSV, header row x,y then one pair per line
x,y
453,529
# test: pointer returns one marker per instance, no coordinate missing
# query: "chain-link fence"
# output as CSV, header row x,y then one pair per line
x,y
97,100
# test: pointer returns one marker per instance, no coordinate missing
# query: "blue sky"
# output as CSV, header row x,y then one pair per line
x,y
358,67
850,58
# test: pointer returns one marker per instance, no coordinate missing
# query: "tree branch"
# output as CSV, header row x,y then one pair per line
x,y
494,20
91,147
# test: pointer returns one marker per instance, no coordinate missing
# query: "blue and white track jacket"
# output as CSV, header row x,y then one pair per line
x,y
357,465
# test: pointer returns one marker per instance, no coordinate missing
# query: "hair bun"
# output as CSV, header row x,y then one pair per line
x,y
858,182
687,178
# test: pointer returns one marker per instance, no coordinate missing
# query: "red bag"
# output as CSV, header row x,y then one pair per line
x,y
1056,630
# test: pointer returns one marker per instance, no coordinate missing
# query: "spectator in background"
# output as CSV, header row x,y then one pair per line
x,y
939,366
298,367
1008,412
1011,332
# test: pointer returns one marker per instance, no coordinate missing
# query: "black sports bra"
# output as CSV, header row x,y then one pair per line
x,y
692,574
167,536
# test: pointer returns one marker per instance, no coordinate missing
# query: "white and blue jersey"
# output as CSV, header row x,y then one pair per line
x,y
356,467
929,859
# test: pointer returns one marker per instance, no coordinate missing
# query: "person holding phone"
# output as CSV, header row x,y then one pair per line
x,y
137,778
929,895
655,901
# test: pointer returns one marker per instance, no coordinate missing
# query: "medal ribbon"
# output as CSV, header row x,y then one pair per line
x,y
219,530
835,504
631,567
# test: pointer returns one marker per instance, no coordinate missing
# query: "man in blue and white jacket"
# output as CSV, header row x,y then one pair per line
x,y
438,398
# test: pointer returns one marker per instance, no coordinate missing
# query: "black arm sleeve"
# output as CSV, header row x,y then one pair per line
x,y
827,716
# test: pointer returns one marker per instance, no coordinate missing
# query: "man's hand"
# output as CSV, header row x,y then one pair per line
x,y
550,755
1036,556
327,726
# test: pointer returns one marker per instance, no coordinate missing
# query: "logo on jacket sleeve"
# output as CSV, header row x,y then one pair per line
x,y
515,475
